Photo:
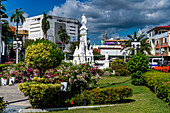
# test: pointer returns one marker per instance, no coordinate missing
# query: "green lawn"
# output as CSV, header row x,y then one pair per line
x,y
142,101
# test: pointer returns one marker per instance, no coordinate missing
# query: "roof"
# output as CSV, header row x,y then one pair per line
x,y
168,26
12,28
115,40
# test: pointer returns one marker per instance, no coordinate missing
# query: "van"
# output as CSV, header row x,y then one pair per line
x,y
154,62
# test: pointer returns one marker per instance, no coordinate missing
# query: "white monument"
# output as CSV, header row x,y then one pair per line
x,y
83,54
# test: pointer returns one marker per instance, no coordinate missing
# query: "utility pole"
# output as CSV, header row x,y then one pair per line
x,y
1,33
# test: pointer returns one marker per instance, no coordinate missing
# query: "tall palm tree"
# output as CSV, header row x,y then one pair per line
x,y
18,18
3,7
63,36
144,47
45,24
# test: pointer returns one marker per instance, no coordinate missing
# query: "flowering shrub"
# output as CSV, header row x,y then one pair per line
x,y
159,83
3,104
43,54
78,76
101,96
20,71
41,95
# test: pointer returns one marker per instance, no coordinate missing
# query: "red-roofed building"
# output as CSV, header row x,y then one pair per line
x,y
22,35
159,39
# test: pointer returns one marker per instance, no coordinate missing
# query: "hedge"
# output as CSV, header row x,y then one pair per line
x,y
159,83
41,95
101,96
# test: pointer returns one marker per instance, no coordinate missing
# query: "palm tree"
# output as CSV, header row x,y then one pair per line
x,y
45,24
144,47
63,36
3,7
18,18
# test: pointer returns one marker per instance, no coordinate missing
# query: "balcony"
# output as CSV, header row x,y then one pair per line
x,y
24,32
165,44
157,46
158,36
158,54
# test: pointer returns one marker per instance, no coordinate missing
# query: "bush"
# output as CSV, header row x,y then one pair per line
x,y
80,76
3,104
101,96
136,66
120,67
20,71
122,72
43,54
159,83
41,95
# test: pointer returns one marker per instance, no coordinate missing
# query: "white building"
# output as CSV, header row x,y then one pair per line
x,y
111,47
33,25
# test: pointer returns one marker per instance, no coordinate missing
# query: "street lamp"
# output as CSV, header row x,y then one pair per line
x,y
162,52
124,53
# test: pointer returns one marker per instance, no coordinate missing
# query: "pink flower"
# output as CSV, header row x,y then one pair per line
x,y
51,75
30,70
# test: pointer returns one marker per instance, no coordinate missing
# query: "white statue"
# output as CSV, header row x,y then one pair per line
x,y
84,20
106,56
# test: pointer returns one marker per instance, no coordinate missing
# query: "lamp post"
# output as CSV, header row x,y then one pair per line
x,y
162,52
1,32
124,53
136,44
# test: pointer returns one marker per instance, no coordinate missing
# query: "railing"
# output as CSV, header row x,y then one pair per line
x,y
22,32
157,45
161,35
165,44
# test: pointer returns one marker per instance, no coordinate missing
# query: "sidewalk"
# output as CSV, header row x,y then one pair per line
x,y
15,98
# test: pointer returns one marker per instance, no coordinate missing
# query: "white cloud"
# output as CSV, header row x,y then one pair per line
x,y
115,15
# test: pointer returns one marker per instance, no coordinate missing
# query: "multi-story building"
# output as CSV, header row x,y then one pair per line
x,y
22,35
33,25
111,47
159,38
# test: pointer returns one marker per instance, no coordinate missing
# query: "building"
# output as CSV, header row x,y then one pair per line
x,y
22,35
33,25
111,47
159,39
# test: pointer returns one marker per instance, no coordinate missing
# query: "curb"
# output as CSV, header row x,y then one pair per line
x,y
61,108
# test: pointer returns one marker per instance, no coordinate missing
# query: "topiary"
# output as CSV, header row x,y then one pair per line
x,y
136,66
43,54
3,104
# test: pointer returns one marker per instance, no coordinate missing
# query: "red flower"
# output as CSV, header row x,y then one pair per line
x,y
72,102
59,81
62,80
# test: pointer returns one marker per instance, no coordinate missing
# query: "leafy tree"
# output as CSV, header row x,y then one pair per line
x,y
45,24
73,46
145,47
3,7
28,42
95,52
63,36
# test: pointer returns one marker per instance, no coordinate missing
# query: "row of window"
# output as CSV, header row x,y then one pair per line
x,y
165,50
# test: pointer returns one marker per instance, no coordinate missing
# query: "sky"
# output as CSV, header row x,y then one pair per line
x,y
117,17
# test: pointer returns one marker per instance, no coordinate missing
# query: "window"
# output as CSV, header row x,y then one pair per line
x,y
157,42
165,40
165,49
157,50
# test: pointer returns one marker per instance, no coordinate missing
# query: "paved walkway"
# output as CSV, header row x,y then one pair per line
x,y
15,98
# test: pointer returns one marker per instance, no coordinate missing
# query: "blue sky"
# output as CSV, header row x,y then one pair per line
x,y
117,17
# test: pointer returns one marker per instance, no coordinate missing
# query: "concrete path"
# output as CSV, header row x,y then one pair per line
x,y
15,98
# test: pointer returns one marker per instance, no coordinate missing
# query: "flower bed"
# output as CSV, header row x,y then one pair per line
x,y
101,96
159,83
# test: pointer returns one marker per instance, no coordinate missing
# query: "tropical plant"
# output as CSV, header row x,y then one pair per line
x,y
3,7
45,24
43,54
144,47
63,36
73,46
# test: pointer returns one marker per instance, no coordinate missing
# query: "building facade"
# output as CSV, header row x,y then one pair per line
x,y
111,47
159,39
33,25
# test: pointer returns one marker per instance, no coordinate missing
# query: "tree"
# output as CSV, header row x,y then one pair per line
x,y
45,24
18,18
63,36
144,47
73,46
3,7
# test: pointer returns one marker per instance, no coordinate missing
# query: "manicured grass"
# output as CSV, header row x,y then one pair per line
x,y
143,100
